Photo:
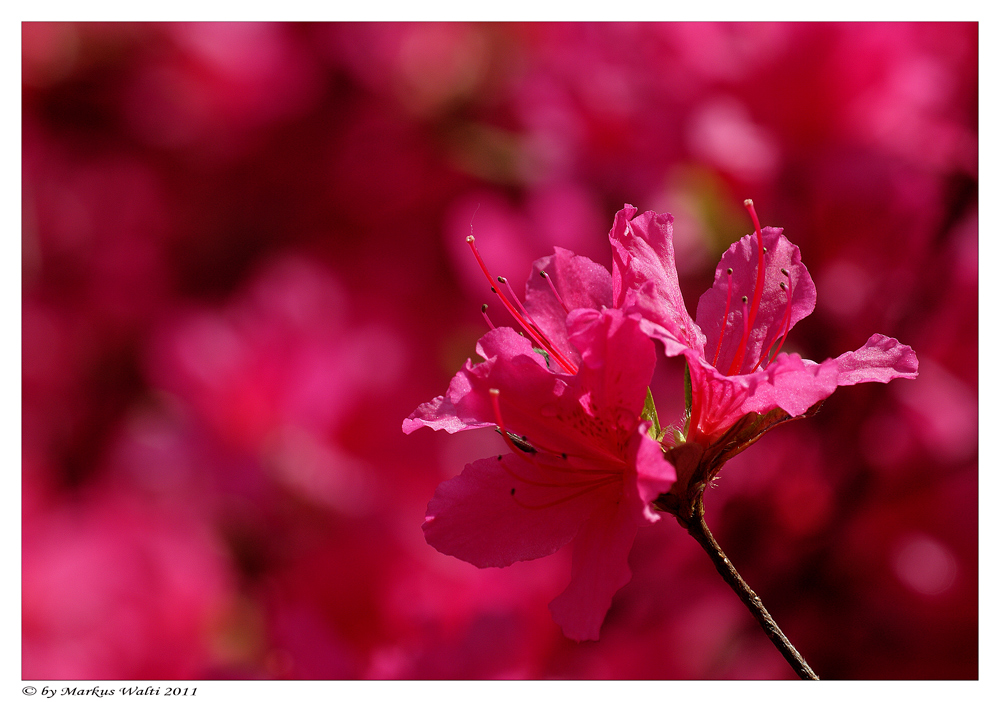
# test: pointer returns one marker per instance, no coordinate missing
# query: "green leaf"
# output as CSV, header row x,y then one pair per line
x,y
649,413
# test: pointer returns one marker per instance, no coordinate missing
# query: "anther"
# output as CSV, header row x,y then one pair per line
x,y
489,322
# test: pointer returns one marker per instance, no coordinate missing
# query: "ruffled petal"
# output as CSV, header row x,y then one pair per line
x,y
590,414
789,383
880,360
716,320
441,413
600,569
465,405
617,365
644,277
654,474
510,508
579,282
672,346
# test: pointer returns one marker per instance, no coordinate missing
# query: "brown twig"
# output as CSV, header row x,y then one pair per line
x,y
697,527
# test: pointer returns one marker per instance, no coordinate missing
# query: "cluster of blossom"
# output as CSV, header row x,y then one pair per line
x,y
243,261
569,397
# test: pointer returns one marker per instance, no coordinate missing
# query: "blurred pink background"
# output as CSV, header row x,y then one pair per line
x,y
244,264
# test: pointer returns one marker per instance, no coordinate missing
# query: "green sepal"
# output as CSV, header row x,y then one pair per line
x,y
649,414
688,395
545,355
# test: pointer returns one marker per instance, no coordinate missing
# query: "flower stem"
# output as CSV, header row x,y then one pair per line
x,y
697,527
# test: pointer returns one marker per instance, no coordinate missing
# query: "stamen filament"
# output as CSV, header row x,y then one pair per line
x,y
758,291
738,359
534,333
487,317
786,322
725,315
495,399
548,279
520,307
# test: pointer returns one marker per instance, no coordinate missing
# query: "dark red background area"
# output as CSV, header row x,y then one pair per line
x,y
244,264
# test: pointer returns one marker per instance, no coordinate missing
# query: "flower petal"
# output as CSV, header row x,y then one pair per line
x,y
600,569
769,323
788,383
466,405
441,413
644,277
881,359
511,508
791,383
617,365
600,550
579,282
655,475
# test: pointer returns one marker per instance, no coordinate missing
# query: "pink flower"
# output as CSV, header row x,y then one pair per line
x,y
741,384
581,466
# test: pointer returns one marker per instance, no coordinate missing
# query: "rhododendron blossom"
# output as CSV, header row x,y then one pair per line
x,y
740,382
581,465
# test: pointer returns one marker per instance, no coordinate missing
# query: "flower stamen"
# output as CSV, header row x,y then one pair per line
x,y
503,281
758,291
786,322
528,326
487,317
548,279
725,315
